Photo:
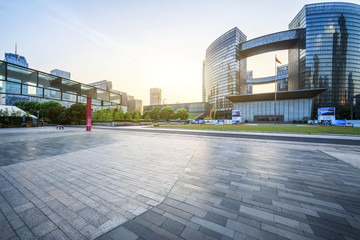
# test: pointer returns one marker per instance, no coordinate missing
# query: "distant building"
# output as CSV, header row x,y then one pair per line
x,y
15,58
155,96
135,104
11,99
128,102
60,73
203,83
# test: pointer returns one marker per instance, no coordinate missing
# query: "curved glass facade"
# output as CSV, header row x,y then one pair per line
x,y
328,55
222,70
323,43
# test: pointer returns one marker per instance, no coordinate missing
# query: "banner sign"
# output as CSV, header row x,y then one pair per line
x,y
327,114
236,117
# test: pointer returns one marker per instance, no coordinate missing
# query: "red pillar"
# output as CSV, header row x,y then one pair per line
x,y
88,115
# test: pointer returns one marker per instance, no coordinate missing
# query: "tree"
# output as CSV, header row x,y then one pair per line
x,y
166,112
64,117
128,116
136,114
29,106
145,115
181,113
76,113
20,104
343,113
119,114
104,114
155,113
51,110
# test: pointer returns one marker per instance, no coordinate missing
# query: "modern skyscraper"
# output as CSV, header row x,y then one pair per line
x,y
155,96
222,71
10,99
328,53
16,59
323,43
203,83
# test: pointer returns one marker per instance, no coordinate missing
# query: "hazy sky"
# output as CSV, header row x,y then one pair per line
x,y
138,44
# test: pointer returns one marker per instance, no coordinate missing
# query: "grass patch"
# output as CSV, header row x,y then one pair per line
x,y
273,128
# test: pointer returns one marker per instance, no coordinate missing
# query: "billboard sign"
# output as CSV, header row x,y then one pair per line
x,y
327,114
236,117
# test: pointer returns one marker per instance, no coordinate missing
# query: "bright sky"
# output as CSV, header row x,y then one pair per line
x,y
138,44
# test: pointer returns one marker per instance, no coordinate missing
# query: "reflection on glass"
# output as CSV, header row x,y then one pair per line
x,y
24,81
21,75
32,91
2,70
49,81
68,97
52,94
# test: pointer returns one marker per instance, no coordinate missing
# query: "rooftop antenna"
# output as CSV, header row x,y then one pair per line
x,y
15,47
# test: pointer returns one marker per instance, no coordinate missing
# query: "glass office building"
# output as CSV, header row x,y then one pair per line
x,y
18,80
328,53
222,71
323,43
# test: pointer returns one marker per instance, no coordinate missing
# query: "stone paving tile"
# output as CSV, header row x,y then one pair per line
x,y
260,201
71,189
33,217
92,216
122,233
5,228
210,188
43,228
173,226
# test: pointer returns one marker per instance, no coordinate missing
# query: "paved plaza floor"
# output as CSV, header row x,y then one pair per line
x,y
118,184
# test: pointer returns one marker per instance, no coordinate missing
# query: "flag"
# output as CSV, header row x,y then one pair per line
x,y
277,60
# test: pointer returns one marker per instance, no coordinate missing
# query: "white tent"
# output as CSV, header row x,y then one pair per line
x,y
15,110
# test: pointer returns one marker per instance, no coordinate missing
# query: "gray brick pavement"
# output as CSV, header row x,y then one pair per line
x,y
118,185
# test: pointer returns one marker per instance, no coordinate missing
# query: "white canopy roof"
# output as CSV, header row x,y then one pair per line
x,y
13,109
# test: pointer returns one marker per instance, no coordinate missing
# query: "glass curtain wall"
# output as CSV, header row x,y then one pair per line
x,y
28,82
222,70
329,52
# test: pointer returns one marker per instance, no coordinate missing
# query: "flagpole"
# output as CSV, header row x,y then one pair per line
x,y
275,89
